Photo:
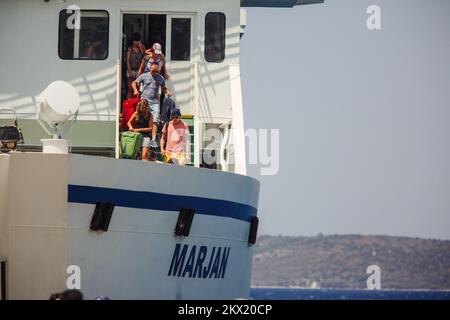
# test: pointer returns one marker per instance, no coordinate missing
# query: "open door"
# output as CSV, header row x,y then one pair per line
x,y
176,34
180,60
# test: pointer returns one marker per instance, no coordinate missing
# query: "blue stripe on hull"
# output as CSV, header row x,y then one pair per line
x,y
160,201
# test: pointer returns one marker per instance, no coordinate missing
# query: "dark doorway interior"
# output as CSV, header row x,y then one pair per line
x,y
152,28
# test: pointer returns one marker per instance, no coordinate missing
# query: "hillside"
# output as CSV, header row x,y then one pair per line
x,y
340,261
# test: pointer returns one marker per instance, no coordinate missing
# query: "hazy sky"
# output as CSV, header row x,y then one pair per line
x,y
364,116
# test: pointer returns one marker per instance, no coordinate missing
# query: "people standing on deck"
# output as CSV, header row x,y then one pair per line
x,y
143,124
154,56
152,81
135,54
175,140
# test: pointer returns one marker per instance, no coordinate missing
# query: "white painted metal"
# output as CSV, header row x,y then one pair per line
x,y
224,160
42,235
147,235
118,107
189,181
58,102
181,72
57,108
238,120
243,22
4,197
197,126
95,79
55,146
132,259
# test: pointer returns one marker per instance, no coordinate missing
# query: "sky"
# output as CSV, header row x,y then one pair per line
x,y
364,117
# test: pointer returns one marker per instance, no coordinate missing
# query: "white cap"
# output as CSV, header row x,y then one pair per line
x,y
157,48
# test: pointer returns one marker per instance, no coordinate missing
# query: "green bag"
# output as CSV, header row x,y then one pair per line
x,y
130,144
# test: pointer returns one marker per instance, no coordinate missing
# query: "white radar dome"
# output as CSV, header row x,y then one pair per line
x,y
58,102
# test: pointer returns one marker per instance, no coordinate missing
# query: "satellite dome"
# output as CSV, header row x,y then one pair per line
x,y
59,101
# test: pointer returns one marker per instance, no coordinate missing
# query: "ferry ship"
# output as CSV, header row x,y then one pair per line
x,y
122,228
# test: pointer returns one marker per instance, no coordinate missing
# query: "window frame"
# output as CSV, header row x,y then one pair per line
x,y
224,37
107,38
174,17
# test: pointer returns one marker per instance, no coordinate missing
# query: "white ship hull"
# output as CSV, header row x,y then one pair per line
x,y
47,203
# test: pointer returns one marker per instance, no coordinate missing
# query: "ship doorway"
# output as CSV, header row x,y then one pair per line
x,y
175,33
151,27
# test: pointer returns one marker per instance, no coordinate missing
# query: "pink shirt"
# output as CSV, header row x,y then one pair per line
x,y
175,136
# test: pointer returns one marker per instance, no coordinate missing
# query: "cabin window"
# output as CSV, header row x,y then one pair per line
x,y
180,44
215,37
86,41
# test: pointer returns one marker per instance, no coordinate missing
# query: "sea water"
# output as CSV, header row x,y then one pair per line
x,y
343,294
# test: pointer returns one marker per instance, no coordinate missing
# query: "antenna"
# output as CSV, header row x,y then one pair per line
x,y
56,111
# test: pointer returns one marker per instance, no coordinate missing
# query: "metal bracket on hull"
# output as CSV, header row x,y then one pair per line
x,y
253,232
3,277
102,216
184,222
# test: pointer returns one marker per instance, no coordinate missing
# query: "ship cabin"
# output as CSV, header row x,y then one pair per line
x,y
85,44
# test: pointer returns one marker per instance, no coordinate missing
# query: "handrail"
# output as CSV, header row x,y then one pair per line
x,y
224,145
197,139
118,82
10,109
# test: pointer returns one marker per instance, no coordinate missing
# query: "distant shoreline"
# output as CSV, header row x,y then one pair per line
x,y
346,289
342,261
